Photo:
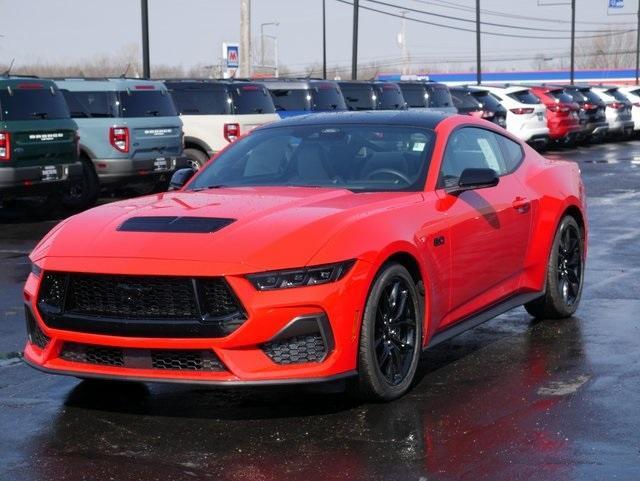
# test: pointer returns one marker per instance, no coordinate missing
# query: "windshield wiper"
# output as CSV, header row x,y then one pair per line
x,y
155,113
40,115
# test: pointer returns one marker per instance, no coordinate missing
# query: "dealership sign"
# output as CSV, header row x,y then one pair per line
x,y
616,3
231,54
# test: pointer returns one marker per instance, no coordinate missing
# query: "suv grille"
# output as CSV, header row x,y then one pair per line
x,y
297,349
166,359
155,306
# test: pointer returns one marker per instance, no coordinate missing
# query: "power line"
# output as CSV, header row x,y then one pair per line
x,y
457,6
497,34
491,24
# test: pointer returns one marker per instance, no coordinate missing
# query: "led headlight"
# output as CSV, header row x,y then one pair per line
x,y
308,276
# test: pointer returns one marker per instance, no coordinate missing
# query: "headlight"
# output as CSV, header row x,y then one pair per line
x,y
307,276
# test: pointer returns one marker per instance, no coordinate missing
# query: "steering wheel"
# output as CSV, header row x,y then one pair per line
x,y
395,173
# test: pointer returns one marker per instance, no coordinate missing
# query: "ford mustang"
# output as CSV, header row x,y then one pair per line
x,y
324,247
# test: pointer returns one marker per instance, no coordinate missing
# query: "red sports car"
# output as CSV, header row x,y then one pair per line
x,y
317,248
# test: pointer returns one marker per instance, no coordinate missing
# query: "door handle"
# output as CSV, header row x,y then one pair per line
x,y
521,204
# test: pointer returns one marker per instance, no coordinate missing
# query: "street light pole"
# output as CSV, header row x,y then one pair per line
x,y
324,39
146,65
354,53
478,46
573,41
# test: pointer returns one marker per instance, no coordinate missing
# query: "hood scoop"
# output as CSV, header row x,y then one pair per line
x,y
182,225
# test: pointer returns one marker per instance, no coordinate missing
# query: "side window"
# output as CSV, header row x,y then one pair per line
x,y
470,148
511,152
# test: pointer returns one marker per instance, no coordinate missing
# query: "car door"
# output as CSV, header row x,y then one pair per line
x,y
488,227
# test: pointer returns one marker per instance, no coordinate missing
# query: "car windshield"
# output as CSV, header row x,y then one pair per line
x,y
488,101
355,157
439,97
561,96
592,97
619,96
287,100
147,103
92,104
415,95
524,97
464,100
201,101
390,97
359,97
32,103
576,95
327,97
252,99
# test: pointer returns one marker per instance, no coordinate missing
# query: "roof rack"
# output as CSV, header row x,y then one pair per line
x,y
17,75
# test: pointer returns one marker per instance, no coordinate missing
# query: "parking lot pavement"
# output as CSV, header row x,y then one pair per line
x,y
510,400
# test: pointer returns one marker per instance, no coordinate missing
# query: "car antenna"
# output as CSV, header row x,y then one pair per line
x,y
126,71
8,71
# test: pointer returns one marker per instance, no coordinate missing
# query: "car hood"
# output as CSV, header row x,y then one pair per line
x,y
272,227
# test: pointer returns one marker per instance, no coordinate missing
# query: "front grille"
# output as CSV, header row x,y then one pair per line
x,y
297,349
105,356
152,306
186,361
165,359
36,336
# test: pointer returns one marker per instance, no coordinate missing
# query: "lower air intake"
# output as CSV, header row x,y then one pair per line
x,y
36,336
165,359
297,349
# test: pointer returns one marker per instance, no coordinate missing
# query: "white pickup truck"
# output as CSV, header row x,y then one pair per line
x,y
216,112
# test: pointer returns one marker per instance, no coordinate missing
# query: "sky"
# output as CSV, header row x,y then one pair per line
x,y
190,32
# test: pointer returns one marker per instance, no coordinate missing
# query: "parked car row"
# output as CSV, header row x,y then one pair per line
x,y
75,138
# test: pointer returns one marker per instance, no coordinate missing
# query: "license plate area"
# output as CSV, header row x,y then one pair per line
x,y
160,164
49,173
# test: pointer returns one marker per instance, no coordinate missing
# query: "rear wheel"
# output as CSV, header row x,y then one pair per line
x,y
391,335
565,274
196,158
84,192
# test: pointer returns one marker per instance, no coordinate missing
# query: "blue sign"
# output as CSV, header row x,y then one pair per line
x,y
616,3
232,56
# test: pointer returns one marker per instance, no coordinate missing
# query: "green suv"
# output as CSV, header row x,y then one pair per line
x,y
38,141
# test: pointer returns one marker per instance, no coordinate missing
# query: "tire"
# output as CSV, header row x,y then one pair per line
x,y
197,158
83,194
565,274
389,352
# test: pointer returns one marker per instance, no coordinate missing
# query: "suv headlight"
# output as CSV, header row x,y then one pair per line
x,y
307,276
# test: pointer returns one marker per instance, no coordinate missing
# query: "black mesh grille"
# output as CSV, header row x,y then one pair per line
x,y
186,361
297,349
146,306
131,297
166,359
105,356
36,336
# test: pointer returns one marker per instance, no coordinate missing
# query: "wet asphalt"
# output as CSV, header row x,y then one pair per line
x,y
510,400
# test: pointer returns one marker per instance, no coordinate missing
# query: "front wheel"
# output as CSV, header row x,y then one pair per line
x,y
565,274
391,336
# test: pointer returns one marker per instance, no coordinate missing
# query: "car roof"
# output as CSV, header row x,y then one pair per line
x,y
427,120
180,84
106,84
507,89
11,80
292,84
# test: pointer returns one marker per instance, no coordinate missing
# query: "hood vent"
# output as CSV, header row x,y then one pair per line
x,y
184,225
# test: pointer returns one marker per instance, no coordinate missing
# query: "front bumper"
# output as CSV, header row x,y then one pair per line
x,y
247,354
27,181
114,172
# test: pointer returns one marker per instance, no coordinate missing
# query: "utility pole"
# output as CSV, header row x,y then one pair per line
x,y
245,39
354,54
638,48
573,41
403,44
324,39
146,65
478,46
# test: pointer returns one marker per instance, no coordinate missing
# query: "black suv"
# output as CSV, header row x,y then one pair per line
x,y
592,112
363,95
479,103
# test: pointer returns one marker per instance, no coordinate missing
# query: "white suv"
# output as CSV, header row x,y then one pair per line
x,y
632,92
216,112
526,115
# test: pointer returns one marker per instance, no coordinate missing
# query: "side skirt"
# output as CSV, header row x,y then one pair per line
x,y
482,316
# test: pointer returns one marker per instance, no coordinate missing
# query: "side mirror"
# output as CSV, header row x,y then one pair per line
x,y
180,178
472,179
